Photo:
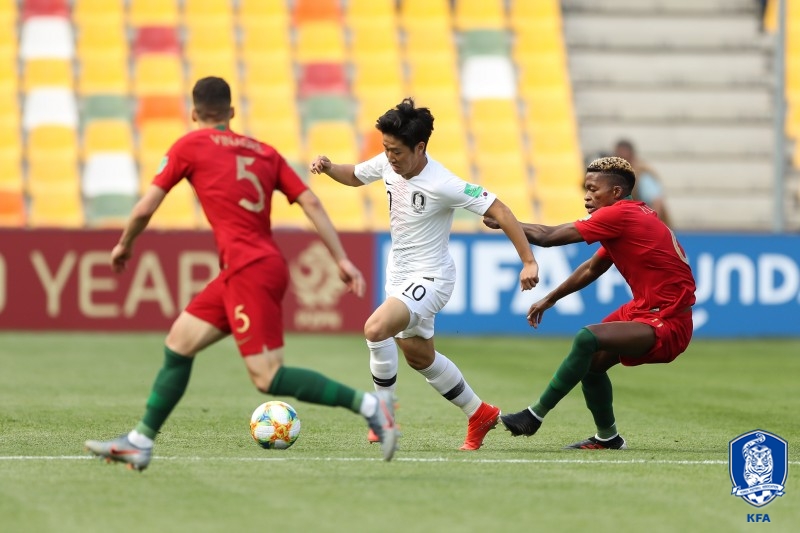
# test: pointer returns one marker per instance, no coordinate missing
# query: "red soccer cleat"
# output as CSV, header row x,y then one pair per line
x,y
483,421
372,437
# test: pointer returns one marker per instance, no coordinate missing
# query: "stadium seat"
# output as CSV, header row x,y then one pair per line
x,y
156,40
158,74
157,107
548,105
485,43
488,112
50,106
559,205
156,136
107,136
322,78
260,73
47,73
202,13
524,13
12,209
99,39
480,14
260,15
45,8
98,13
511,174
178,210
53,175
259,44
56,210
287,216
110,173
10,156
375,42
109,210
544,37
320,42
9,42
557,170
103,76
52,141
425,13
309,11
488,77
101,107
378,77
517,198
153,13
543,72
336,139
46,37
365,13
553,138
438,75
376,207
422,45
373,105
218,40
282,134
326,108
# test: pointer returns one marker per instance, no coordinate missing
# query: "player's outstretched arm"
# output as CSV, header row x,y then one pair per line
x,y
315,212
506,221
345,174
584,275
139,218
541,235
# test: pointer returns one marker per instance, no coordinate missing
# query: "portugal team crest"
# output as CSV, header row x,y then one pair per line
x,y
759,464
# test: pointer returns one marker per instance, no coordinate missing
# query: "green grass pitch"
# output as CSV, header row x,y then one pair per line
x,y
57,390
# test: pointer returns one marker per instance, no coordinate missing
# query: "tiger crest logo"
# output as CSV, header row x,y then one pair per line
x,y
759,464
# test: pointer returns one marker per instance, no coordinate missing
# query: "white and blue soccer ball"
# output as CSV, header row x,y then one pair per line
x,y
274,425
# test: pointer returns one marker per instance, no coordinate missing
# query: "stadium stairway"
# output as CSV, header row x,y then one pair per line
x,y
690,84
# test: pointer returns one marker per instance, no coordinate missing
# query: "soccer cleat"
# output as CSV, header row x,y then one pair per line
x,y
593,443
383,425
522,423
480,423
121,450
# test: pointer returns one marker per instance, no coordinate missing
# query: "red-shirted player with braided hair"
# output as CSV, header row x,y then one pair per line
x,y
654,327
234,178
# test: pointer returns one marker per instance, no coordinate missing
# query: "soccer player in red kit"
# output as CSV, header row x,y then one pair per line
x,y
654,327
234,178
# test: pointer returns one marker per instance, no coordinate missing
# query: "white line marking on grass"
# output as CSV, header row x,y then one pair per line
x,y
398,459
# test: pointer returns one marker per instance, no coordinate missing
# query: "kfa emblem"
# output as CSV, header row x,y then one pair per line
x,y
418,201
759,464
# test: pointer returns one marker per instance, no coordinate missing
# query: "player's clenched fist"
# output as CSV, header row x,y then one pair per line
x,y
320,164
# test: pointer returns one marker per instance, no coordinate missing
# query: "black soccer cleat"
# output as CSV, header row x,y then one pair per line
x,y
593,443
522,423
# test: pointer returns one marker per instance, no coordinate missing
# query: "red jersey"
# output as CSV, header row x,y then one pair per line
x,y
234,177
646,253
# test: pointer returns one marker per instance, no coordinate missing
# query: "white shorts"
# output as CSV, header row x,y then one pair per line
x,y
424,297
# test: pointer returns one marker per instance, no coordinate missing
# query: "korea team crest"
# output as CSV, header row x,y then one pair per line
x,y
759,464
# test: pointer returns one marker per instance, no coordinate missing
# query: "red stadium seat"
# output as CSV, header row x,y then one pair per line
x,y
156,40
45,8
316,10
322,78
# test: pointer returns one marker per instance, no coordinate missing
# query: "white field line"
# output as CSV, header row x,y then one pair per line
x,y
398,459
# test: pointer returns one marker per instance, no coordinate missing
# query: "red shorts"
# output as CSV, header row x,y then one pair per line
x,y
672,334
247,304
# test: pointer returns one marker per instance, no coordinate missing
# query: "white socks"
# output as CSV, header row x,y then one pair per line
x,y
383,364
368,405
139,440
446,378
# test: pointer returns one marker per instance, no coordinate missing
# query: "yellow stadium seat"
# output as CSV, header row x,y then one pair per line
x,y
263,15
377,207
10,172
336,139
373,104
524,13
260,43
56,210
480,15
52,142
363,13
517,197
559,205
286,215
544,37
319,42
259,74
283,135
207,12
424,45
222,64
153,13
549,105
373,42
212,40
272,103
8,75
433,75
448,137
40,73
491,111
425,13
98,39
445,106
97,12
178,210
107,136
504,174
377,76
10,148
500,138
346,206
160,74
9,41
558,170
102,75
157,136
53,174
545,71
555,138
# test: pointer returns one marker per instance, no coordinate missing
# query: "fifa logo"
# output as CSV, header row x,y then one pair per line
x,y
759,464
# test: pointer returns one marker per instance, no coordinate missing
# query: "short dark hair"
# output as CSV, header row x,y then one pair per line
x,y
615,167
412,125
212,98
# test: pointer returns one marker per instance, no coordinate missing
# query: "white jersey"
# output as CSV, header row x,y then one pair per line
x,y
421,215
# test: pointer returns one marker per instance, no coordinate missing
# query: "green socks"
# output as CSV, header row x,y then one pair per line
x,y
599,398
167,390
570,373
313,387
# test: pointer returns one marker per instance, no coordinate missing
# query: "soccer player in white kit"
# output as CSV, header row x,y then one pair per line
x,y
422,196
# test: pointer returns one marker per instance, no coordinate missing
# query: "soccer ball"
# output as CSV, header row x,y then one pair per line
x,y
274,425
